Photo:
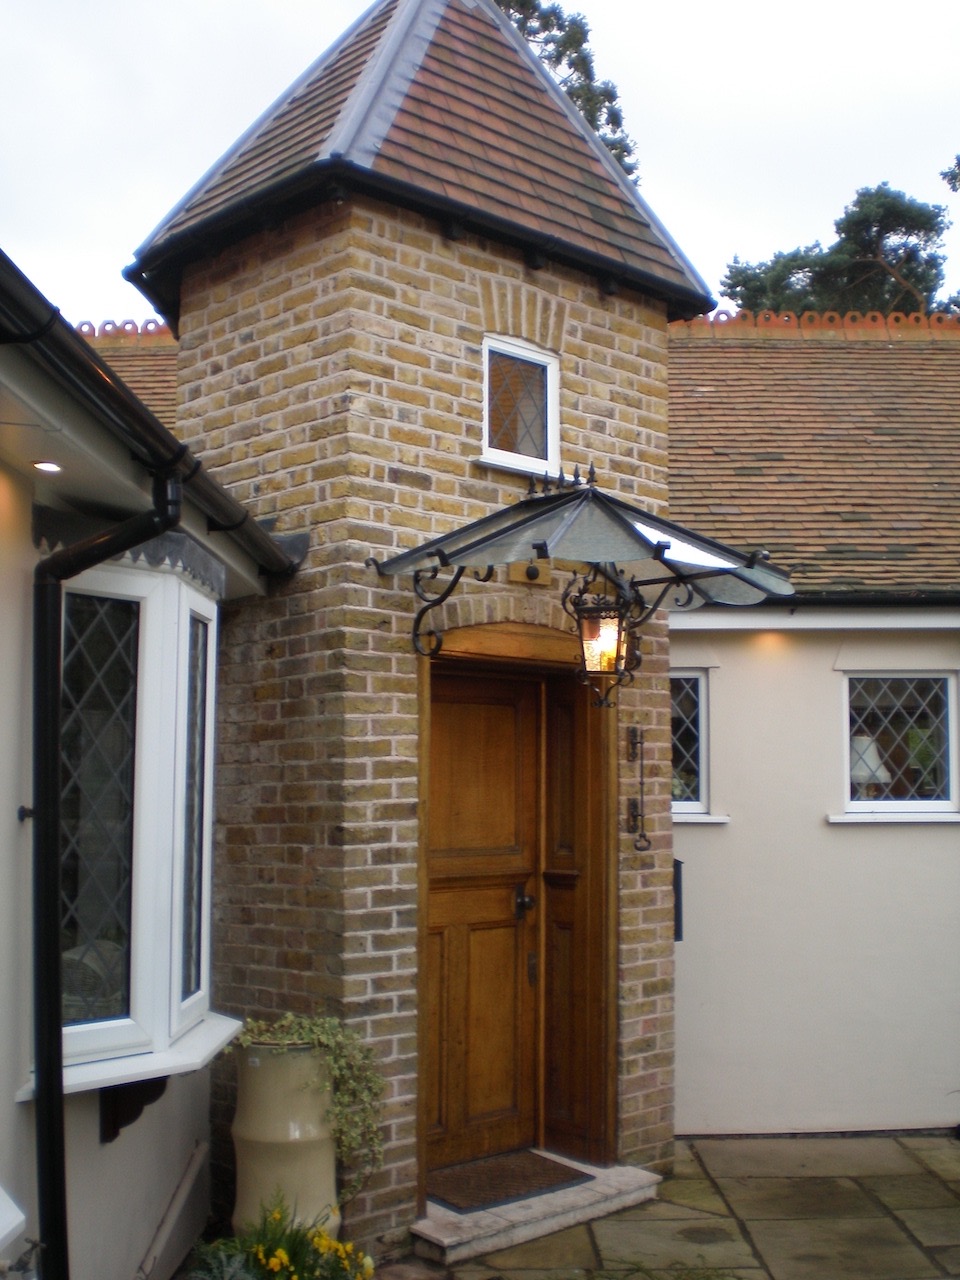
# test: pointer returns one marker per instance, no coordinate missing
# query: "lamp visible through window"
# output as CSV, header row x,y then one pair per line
x,y
868,773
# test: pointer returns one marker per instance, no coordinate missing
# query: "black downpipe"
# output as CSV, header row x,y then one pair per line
x,y
47,996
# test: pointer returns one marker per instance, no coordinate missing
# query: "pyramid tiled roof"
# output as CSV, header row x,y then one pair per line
x,y
834,443
438,105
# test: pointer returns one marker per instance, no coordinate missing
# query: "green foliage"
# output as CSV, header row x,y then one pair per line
x,y
281,1247
356,1085
887,258
951,176
561,42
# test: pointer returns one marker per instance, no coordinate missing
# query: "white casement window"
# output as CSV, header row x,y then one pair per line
x,y
688,725
139,649
521,406
901,743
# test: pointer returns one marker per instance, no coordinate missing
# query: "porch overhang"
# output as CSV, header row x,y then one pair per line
x,y
647,561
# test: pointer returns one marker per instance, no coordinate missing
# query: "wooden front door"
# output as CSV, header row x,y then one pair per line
x,y
515,1046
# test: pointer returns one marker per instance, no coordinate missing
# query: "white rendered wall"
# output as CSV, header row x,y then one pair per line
x,y
818,981
17,1169
118,1193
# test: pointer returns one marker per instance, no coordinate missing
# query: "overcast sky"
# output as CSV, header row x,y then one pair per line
x,y
756,121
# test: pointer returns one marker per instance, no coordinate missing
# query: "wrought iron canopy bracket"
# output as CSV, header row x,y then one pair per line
x,y
579,525
429,643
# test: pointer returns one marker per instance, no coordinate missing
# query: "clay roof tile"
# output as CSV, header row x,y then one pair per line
x,y
835,446
439,104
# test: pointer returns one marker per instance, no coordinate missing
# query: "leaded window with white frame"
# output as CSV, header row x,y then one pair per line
x,y
901,742
138,683
688,727
521,406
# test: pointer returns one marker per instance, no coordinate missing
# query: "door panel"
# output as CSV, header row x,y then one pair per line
x,y
483,843
576,1050
515,1041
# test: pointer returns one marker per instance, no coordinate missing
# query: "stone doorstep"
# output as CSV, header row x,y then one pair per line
x,y
448,1237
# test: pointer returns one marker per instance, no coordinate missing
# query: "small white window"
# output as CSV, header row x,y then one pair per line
x,y
521,407
901,742
688,724
136,803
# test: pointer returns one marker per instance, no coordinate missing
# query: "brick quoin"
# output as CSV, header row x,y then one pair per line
x,y
330,372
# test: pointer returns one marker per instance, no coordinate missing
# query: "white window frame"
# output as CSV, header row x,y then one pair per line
x,y
158,1017
687,808
521,350
896,807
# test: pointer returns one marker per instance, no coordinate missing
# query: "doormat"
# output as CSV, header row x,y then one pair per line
x,y
496,1180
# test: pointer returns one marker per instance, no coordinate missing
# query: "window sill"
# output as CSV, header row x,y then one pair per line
x,y
12,1220
518,464
701,819
896,816
195,1049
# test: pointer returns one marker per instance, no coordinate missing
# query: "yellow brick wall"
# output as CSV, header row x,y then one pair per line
x,y
331,374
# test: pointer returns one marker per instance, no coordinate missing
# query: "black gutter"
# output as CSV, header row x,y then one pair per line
x,y
28,320
49,576
872,598
156,273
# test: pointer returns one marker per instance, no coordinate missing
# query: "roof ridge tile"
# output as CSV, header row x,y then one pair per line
x,y
854,326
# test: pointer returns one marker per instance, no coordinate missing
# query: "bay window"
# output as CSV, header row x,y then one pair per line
x,y
139,649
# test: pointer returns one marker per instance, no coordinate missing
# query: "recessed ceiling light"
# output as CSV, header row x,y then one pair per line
x,y
52,467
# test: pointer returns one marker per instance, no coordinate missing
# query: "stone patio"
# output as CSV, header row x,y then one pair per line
x,y
793,1208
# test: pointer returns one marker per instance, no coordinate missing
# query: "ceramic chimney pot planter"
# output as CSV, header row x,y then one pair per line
x,y
281,1135
308,1112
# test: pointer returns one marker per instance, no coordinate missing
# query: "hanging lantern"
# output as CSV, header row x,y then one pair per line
x,y
605,611
603,637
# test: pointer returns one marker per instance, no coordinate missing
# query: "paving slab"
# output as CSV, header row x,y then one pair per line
x,y
526,1273
692,1193
624,1241
752,1198
473,1271
933,1227
685,1163
804,1157
668,1210
911,1191
572,1248
844,1249
949,1259
939,1154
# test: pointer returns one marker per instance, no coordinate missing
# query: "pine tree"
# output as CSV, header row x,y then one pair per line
x,y
887,257
561,43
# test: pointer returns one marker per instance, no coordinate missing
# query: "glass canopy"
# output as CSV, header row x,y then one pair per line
x,y
582,527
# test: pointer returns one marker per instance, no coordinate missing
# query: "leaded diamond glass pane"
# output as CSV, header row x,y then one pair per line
x,y
685,726
98,710
194,820
517,405
899,742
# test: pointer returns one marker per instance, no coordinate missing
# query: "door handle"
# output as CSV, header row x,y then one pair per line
x,y
522,902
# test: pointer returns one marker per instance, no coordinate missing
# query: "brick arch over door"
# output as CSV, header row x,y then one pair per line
x,y
483,604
